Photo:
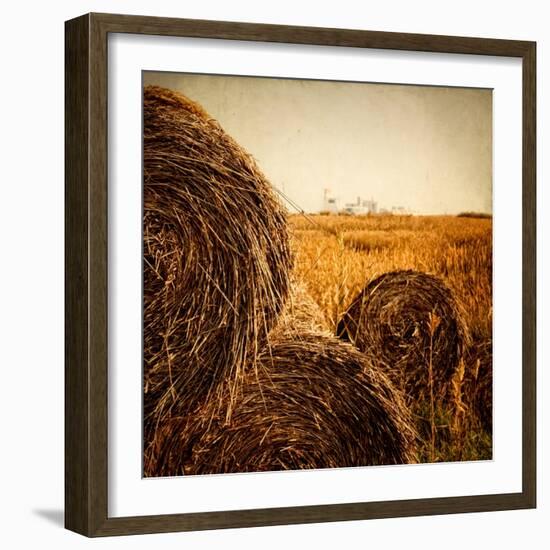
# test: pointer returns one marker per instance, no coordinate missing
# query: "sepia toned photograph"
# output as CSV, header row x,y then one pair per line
x,y
317,274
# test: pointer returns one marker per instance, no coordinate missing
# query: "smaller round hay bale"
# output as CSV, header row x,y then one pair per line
x,y
478,387
313,402
405,320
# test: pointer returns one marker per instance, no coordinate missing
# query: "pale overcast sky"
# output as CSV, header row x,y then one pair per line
x,y
427,149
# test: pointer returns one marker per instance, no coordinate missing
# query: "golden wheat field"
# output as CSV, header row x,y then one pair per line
x,y
337,255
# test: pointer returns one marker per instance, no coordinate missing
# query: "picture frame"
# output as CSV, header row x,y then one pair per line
x,y
87,280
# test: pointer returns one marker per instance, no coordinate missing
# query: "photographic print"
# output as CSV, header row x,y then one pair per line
x,y
317,274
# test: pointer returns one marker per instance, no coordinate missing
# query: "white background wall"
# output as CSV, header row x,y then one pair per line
x,y
31,271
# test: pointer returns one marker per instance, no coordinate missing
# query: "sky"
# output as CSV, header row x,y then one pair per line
x,y
427,149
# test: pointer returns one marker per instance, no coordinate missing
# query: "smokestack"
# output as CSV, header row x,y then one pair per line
x,y
358,201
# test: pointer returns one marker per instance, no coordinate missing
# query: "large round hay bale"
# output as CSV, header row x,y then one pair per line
x,y
216,256
407,321
313,402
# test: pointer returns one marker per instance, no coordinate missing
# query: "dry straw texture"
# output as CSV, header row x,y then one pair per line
x,y
312,402
216,260
479,383
301,313
410,322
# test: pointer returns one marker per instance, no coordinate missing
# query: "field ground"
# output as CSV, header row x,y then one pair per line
x,y
337,255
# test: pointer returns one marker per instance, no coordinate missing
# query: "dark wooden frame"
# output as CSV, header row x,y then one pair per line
x,y
86,274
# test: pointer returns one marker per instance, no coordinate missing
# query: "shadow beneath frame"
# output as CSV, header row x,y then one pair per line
x,y
55,516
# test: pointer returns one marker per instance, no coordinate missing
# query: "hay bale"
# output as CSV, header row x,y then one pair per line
x,y
216,257
313,402
301,313
478,383
404,320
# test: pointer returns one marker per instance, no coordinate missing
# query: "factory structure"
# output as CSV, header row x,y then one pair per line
x,y
331,204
